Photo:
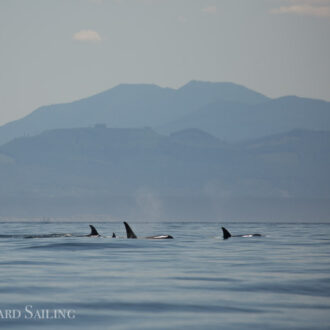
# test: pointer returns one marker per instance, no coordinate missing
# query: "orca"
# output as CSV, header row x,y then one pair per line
x,y
40,236
227,234
130,234
93,232
129,231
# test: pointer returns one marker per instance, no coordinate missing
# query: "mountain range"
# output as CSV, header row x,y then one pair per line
x,y
225,110
203,151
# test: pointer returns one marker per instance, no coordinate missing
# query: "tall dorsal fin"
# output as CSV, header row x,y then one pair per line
x,y
226,233
93,231
113,235
129,231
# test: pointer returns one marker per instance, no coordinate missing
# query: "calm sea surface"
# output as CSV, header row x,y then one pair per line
x,y
196,281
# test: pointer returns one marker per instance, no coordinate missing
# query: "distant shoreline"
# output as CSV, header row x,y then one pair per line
x,y
106,219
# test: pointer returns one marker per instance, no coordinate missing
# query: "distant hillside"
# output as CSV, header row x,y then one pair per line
x,y
129,106
235,121
140,174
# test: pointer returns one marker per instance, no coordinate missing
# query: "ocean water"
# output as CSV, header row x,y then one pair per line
x,y
195,281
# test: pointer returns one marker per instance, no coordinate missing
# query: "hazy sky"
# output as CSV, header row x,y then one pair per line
x,y
55,51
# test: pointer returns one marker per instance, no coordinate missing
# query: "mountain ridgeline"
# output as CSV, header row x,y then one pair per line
x,y
225,110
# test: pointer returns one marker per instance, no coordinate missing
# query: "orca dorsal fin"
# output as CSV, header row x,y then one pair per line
x,y
226,233
129,231
113,235
93,231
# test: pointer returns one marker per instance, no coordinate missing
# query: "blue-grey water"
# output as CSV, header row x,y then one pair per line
x,y
196,281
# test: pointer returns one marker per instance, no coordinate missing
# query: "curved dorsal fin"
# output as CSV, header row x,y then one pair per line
x,y
129,231
226,233
93,231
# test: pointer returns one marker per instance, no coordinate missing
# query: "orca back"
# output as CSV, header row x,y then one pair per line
x,y
227,234
129,231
